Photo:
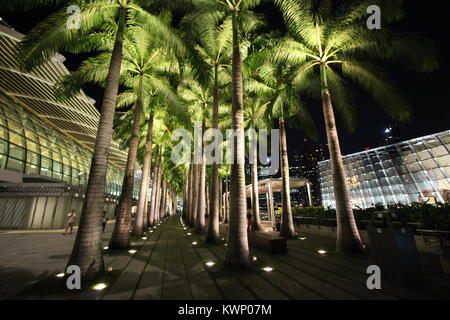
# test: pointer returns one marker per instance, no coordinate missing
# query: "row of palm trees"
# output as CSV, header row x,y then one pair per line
x,y
219,66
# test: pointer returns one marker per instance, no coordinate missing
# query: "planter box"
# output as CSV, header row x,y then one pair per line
x,y
330,232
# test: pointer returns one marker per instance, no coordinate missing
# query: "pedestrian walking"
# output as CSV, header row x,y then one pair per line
x,y
71,219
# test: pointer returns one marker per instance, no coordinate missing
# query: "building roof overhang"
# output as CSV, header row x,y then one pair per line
x,y
77,118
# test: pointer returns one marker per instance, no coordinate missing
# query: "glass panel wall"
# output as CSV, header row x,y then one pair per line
x,y
29,146
404,172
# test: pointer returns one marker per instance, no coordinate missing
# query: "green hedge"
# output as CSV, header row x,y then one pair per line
x,y
428,216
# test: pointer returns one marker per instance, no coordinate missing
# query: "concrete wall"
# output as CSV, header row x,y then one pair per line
x,y
330,232
41,212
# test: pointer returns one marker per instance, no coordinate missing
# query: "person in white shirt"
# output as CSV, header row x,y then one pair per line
x,y
71,219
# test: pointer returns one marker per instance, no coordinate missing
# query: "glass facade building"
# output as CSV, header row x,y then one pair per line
x,y
46,145
403,172
30,147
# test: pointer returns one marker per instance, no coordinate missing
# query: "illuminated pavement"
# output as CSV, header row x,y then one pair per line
x,y
167,265
29,256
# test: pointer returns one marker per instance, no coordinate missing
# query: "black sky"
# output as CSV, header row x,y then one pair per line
x,y
427,93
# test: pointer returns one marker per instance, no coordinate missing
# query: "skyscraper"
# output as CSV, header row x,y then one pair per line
x,y
304,164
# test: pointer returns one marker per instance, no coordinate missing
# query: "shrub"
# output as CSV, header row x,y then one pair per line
x,y
429,216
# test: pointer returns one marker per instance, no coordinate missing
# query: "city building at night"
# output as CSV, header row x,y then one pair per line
x,y
45,145
304,164
416,170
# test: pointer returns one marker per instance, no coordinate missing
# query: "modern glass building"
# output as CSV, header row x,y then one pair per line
x,y
45,145
405,172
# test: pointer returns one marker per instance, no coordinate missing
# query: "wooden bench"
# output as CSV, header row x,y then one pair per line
x,y
268,241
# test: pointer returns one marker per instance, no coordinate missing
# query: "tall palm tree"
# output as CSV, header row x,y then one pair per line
x,y
331,47
154,103
145,182
237,253
256,117
198,98
144,65
272,80
212,58
156,168
157,189
52,35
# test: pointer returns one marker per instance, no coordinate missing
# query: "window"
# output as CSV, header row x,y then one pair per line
x,y
57,168
16,138
14,164
31,169
16,152
3,147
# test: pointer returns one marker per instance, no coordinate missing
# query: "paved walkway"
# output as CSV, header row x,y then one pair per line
x,y
167,265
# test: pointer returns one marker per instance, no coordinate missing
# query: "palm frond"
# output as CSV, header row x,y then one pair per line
x,y
380,86
52,34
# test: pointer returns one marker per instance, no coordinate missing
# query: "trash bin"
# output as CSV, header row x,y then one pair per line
x,y
277,225
394,249
445,254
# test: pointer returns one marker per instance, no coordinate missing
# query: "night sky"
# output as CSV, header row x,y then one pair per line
x,y
427,93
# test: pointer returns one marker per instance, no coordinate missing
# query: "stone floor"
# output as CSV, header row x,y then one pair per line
x,y
167,265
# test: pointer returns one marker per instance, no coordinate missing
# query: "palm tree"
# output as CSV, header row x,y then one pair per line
x,y
52,35
256,117
156,168
186,193
156,190
212,49
41,44
198,98
331,46
145,182
237,253
144,65
272,80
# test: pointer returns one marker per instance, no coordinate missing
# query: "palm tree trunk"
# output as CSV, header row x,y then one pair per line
x,y
221,204
120,238
348,238
287,224
186,186
158,198
87,249
207,190
154,192
227,202
145,216
255,195
194,198
166,201
158,194
199,224
171,211
213,234
139,225
162,209
187,192
175,202
169,203
237,254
